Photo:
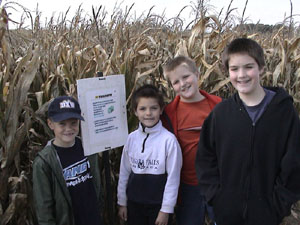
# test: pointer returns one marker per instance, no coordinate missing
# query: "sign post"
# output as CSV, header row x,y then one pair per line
x,y
103,104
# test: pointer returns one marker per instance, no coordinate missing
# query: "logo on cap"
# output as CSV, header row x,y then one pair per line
x,y
67,104
63,108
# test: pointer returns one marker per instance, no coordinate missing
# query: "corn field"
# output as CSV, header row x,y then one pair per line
x,y
43,62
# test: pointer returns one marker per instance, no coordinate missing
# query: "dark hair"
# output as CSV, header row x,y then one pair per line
x,y
146,91
247,46
177,61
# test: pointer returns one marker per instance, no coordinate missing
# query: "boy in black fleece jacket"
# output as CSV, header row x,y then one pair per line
x,y
248,159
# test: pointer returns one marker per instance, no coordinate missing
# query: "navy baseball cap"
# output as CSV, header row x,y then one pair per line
x,y
63,108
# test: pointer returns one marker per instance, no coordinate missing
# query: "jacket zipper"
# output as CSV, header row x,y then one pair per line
x,y
249,172
143,148
250,164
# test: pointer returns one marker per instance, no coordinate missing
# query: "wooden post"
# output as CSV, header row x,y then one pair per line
x,y
108,197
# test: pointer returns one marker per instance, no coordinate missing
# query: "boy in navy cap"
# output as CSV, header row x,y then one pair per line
x,y
66,184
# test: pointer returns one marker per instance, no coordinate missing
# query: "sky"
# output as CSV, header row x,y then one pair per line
x,y
263,11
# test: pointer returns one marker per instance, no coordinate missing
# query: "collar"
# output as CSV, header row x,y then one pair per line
x,y
149,130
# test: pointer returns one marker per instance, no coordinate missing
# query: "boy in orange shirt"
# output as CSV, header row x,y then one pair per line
x,y
184,117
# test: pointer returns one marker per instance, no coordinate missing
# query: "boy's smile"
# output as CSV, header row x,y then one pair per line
x,y
244,74
185,83
65,132
148,111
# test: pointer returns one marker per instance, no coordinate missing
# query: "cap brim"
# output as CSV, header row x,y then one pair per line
x,y
66,116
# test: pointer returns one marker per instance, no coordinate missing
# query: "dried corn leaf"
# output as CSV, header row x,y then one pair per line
x,y
2,140
216,20
3,22
283,57
140,46
5,90
146,73
39,97
133,89
102,50
205,63
207,73
152,41
295,214
144,52
204,48
17,203
14,147
294,46
199,28
220,84
6,50
19,99
221,45
108,69
296,58
181,48
84,53
116,49
252,36
297,73
276,74
17,184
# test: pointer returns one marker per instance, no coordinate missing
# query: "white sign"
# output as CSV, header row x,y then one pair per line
x,y
103,105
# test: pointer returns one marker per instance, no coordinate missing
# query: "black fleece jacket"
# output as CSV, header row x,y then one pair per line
x,y
250,173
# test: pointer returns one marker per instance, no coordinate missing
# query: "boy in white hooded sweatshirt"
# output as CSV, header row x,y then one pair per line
x,y
150,165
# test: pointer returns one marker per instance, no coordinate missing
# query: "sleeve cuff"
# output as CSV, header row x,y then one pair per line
x,y
122,202
167,209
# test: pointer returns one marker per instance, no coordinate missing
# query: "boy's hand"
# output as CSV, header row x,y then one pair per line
x,y
162,218
123,212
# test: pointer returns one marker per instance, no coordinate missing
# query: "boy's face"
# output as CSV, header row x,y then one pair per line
x,y
65,131
148,111
244,74
184,83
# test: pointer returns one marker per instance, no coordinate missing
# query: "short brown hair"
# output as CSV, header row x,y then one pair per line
x,y
247,46
177,61
146,91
